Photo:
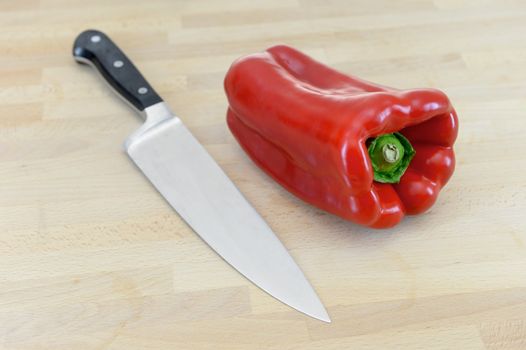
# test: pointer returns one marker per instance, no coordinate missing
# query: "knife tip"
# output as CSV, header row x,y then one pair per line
x,y
324,316
327,320
320,313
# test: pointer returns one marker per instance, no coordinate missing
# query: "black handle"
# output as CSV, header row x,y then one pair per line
x,y
95,48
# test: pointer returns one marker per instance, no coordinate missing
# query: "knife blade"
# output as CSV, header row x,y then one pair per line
x,y
191,181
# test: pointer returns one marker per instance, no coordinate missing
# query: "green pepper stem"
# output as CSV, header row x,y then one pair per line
x,y
391,153
390,156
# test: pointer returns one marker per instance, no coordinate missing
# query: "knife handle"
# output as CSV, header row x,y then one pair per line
x,y
96,49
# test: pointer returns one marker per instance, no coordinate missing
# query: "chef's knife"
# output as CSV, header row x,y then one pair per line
x,y
195,186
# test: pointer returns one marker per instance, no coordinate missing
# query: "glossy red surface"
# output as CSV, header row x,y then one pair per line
x,y
306,125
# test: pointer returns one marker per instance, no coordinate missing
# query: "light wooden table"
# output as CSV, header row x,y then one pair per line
x,y
92,258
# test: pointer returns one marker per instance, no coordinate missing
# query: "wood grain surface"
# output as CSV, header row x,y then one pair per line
x,y
91,257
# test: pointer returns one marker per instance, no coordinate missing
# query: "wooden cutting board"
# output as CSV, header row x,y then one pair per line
x,y
91,257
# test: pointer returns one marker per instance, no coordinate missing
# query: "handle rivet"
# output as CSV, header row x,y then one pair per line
x,y
142,90
118,64
95,38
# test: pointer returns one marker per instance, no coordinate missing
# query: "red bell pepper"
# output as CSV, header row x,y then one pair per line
x,y
362,151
